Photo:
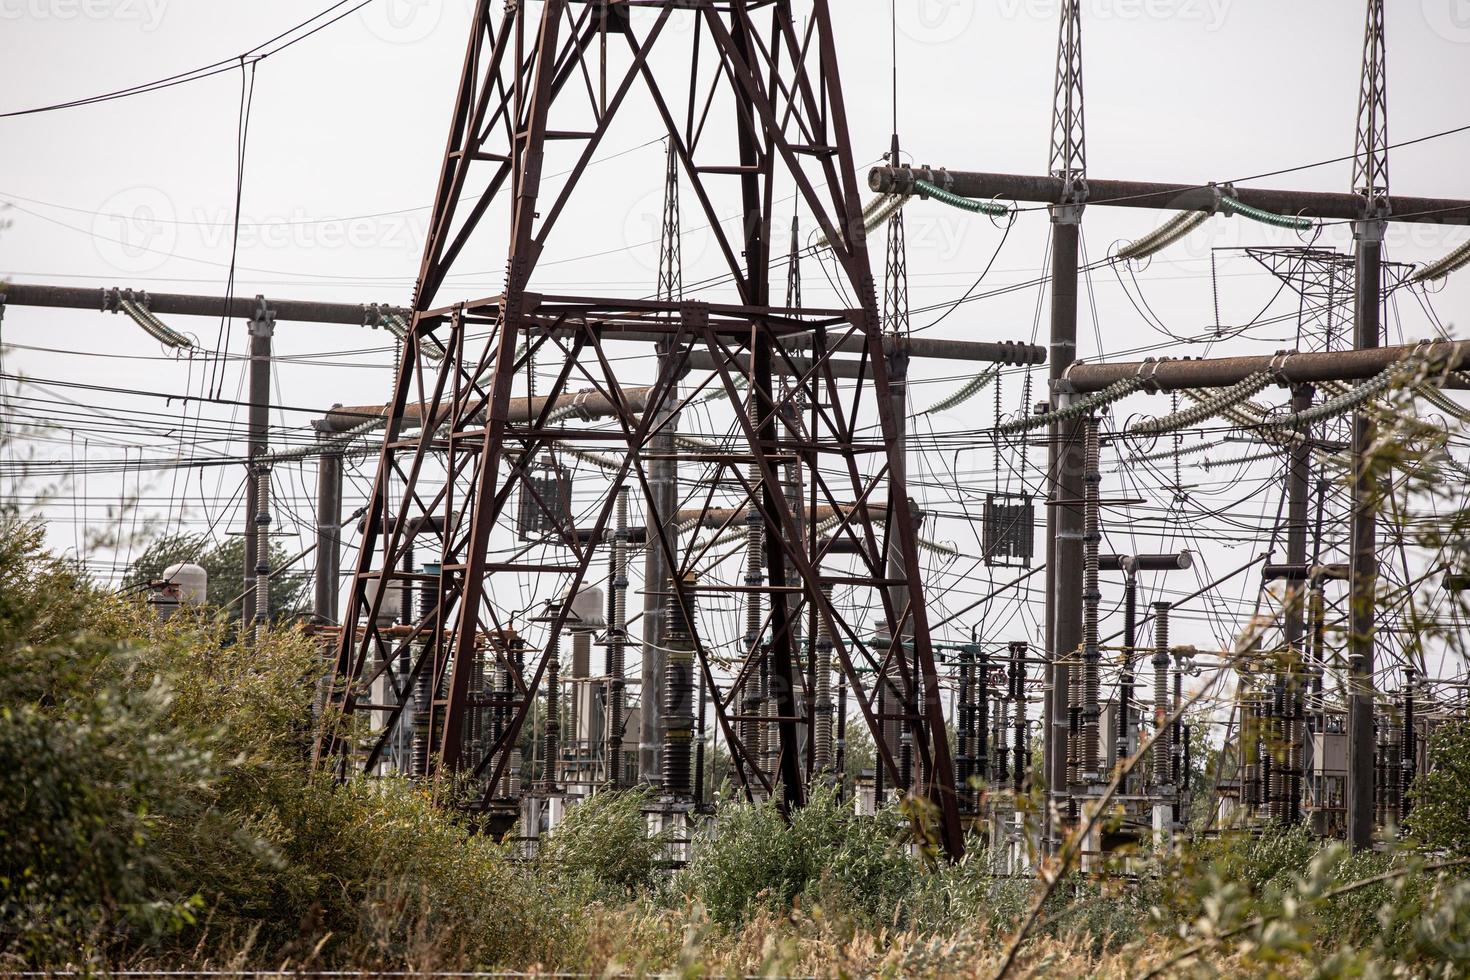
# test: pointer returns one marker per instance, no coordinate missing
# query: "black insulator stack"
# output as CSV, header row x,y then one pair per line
x,y
1160,663
998,737
979,745
418,766
617,608
1126,680
754,689
1408,749
262,555
971,722
1176,744
822,736
551,736
1089,762
1017,679
839,760
678,715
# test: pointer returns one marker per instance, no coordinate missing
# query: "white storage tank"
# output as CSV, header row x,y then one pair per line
x,y
187,582
392,606
588,611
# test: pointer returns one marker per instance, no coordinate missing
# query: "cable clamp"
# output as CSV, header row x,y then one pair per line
x,y
1217,192
263,320
1145,374
1277,367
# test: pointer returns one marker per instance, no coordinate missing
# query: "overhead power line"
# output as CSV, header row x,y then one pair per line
x,y
249,56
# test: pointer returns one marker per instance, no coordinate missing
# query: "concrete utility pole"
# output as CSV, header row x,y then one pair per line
x,y
328,533
256,605
1370,182
1064,517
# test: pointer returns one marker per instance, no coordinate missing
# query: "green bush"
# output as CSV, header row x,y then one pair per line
x,y
157,809
1440,814
90,773
605,841
751,859
155,798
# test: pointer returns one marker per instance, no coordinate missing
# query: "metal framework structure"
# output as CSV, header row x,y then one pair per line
x,y
762,105
473,531
1320,512
1068,128
1064,472
1370,149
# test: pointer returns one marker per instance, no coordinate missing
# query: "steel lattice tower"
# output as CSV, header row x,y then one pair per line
x,y
1068,129
547,79
1370,163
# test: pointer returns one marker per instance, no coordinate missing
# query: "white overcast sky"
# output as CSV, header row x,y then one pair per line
x,y
347,129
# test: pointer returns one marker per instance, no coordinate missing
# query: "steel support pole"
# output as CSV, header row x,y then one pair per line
x,y
328,535
1367,300
1064,518
375,315
663,507
1298,498
1293,368
897,732
1156,196
262,329
1126,679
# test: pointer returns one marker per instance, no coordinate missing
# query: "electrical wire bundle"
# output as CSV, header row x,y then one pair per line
x,y
1077,409
155,327
971,388
1442,267
1211,406
992,208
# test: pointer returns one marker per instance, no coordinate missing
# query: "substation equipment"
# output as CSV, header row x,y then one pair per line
x,y
499,547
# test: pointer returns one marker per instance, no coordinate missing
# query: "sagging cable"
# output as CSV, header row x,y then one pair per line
x,y
1348,400
153,326
1249,414
1442,267
1171,454
1441,401
1077,409
1210,407
1211,464
879,209
327,447
398,327
1233,205
1165,235
925,544
595,459
992,208
1383,412
718,391
971,388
